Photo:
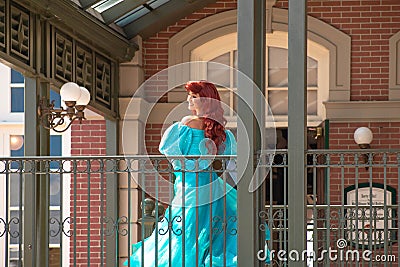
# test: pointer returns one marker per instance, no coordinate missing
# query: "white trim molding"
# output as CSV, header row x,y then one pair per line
x,y
394,67
338,43
363,111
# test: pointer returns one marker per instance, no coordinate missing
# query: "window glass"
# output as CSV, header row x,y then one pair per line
x,y
18,152
278,100
278,68
56,97
55,145
312,72
17,99
16,77
14,182
219,74
312,102
55,190
225,99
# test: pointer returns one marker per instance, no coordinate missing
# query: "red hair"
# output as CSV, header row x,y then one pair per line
x,y
213,114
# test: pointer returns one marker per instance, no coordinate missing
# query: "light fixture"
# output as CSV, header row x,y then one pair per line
x,y
363,137
75,98
16,142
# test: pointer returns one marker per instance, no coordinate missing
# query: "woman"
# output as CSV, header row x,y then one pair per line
x,y
200,193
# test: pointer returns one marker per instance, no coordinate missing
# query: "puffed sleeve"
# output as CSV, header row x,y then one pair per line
x,y
176,140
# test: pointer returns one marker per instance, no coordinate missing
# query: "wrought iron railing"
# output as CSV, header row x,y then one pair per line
x,y
87,226
352,208
353,204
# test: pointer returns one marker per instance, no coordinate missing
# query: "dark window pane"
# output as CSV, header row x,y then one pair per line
x,y
17,99
55,145
16,77
55,189
56,97
55,150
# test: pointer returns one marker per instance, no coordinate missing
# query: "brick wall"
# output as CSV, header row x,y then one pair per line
x,y
153,137
370,24
88,138
155,49
386,136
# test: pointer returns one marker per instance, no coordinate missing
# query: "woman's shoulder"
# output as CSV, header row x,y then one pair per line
x,y
193,122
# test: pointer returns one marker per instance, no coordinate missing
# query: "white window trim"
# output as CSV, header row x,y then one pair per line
x,y
338,43
227,43
394,67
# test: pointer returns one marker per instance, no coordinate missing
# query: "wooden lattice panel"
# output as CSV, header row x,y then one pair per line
x,y
2,25
20,33
84,67
63,57
103,80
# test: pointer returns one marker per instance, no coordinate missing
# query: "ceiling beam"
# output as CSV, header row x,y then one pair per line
x,y
161,17
85,4
120,9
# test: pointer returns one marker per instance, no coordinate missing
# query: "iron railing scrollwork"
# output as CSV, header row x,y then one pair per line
x,y
6,226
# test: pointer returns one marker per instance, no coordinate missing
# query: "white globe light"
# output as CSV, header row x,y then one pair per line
x,y
70,92
363,136
85,97
16,142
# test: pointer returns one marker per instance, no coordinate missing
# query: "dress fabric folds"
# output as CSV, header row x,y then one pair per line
x,y
174,244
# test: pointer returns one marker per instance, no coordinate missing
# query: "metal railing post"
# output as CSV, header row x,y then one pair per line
x,y
297,123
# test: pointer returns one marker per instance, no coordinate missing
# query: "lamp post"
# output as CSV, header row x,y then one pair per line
x,y
76,99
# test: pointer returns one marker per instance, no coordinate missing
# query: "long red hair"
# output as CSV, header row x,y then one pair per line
x,y
213,114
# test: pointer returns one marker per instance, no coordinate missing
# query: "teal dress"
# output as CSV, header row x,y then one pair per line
x,y
207,196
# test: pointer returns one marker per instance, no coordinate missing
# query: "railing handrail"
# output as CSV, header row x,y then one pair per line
x,y
117,157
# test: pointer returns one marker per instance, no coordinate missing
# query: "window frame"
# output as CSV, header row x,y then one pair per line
x,y
227,43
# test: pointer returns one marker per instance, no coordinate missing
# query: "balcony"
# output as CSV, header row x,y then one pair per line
x,y
91,207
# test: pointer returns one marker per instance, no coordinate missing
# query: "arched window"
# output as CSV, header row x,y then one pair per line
x,y
214,39
223,50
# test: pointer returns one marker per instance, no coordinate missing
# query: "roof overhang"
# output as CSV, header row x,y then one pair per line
x,y
67,15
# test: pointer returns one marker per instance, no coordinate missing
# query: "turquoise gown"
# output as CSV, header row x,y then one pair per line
x,y
179,140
